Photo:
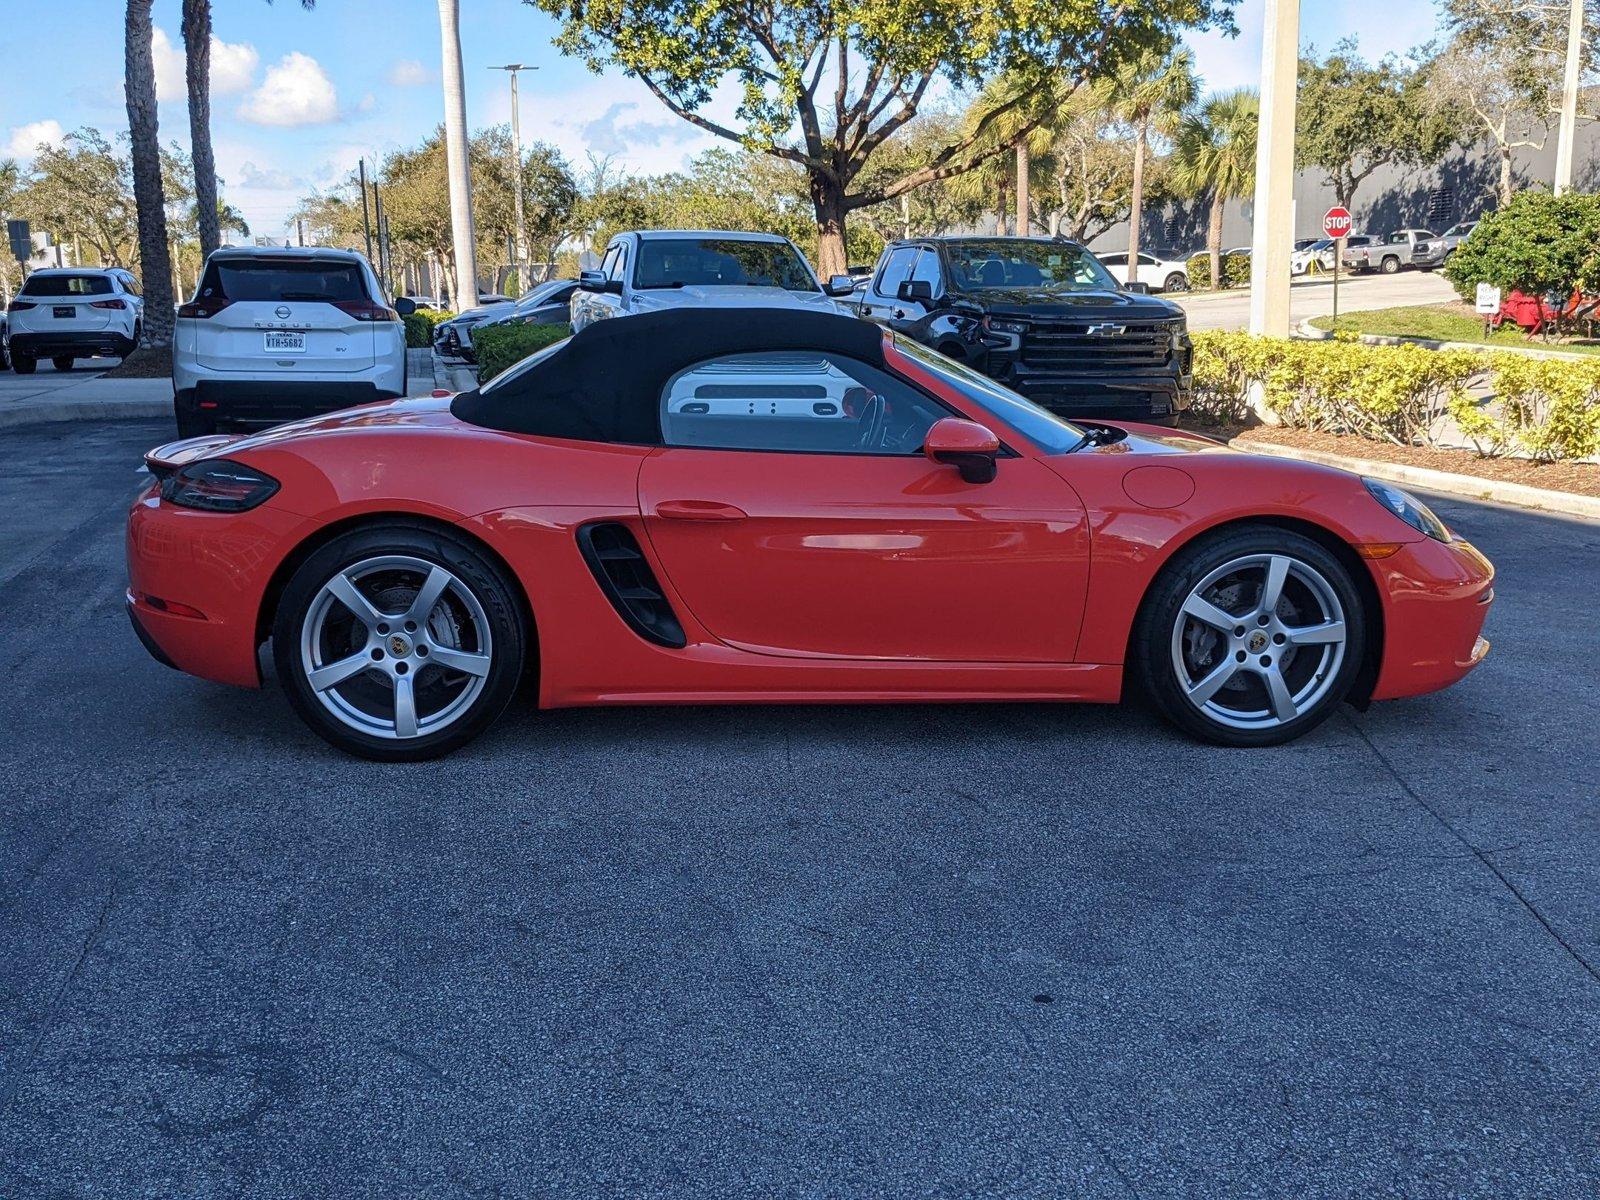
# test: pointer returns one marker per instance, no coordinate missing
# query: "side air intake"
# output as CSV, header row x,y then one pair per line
x,y
624,575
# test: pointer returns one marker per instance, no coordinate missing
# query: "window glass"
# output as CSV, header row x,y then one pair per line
x,y
1020,263
1113,260
721,262
1396,238
129,284
799,401
1052,434
283,279
523,367
927,270
896,270
1147,260
66,285
619,264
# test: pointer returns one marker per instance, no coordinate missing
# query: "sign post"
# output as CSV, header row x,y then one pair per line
x,y
1336,224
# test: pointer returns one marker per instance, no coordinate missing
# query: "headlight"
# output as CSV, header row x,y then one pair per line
x,y
998,325
1409,509
217,485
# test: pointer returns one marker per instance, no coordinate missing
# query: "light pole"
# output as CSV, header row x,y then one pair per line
x,y
1273,234
521,251
1569,98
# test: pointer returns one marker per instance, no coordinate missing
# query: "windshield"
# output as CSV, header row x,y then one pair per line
x,y
1019,263
545,291
533,360
67,285
721,262
1460,230
1052,434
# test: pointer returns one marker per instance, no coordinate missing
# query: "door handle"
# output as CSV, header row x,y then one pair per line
x,y
699,510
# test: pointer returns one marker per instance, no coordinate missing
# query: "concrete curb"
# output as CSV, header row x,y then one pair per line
x,y
1305,329
51,411
1468,487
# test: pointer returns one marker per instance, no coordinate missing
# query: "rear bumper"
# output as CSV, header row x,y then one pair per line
x,y
1436,596
259,403
80,343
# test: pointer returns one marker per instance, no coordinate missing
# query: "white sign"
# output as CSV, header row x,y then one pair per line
x,y
1488,299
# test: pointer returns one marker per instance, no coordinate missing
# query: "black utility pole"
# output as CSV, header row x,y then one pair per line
x,y
366,221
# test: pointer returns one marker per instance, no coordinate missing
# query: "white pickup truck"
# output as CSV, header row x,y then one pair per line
x,y
653,269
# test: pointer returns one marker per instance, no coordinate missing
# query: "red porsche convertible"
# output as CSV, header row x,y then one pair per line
x,y
781,507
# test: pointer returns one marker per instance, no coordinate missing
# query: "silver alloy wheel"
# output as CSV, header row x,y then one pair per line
x,y
1259,641
396,647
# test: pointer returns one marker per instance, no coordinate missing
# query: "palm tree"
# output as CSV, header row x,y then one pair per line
x,y
457,164
155,261
1025,127
1150,93
1214,153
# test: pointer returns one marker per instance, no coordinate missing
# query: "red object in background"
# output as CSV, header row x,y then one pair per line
x,y
797,577
1336,222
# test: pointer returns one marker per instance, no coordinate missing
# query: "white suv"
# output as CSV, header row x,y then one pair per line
x,y
67,313
275,333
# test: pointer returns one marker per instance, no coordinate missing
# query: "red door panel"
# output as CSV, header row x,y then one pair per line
x,y
856,556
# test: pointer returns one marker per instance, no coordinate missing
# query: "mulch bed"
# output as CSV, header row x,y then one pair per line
x,y
144,364
1582,479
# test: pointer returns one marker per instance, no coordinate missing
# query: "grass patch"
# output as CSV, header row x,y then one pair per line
x,y
1444,323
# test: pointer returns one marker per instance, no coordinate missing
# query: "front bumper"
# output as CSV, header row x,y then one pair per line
x,y
1436,596
1155,399
80,343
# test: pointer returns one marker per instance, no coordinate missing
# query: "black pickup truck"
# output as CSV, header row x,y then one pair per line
x,y
1043,317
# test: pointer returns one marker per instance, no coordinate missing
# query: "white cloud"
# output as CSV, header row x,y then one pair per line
x,y
233,67
408,72
26,139
367,104
267,178
296,91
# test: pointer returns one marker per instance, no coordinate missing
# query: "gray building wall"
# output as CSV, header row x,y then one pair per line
x,y
1458,189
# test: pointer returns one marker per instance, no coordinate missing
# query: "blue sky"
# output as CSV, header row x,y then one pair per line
x,y
299,96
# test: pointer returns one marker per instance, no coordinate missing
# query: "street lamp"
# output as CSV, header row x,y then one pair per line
x,y
516,170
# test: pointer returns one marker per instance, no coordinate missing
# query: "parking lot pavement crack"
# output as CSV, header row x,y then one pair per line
x,y
8,1088
1483,856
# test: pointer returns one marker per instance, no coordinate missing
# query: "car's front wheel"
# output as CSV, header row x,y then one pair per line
x,y
1176,282
399,642
1391,265
1250,638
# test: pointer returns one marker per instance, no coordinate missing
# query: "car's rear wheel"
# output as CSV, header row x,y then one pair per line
x,y
1176,282
62,362
1391,265
1250,638
399,642
23,364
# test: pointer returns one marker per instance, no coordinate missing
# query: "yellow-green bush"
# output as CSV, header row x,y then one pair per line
x,y
502,346
419,326
1235,270
1546,408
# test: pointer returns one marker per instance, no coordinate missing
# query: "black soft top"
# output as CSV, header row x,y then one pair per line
x,y
604,383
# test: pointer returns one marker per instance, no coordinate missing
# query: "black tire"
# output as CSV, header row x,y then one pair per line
x,y
1228,715
1390,265
192,424
23,364
1176,282
482,579
62,362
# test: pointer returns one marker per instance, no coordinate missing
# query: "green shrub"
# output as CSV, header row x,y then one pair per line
x,y
1538,243
419,327
502,346
1235,270
1547,408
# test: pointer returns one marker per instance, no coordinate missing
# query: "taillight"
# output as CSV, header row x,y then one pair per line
x,y
20,306
206,306
217,485
361,310
107,304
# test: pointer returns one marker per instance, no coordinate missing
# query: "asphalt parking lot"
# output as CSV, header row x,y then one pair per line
x,y
845,952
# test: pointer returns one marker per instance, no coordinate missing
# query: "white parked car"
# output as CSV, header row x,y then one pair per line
x,y
275,333
1161,274
653,269
1318,250
68,313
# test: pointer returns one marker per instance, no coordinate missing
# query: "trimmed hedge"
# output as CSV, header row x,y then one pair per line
x,y
419,327
1235,271
502,346
1546,408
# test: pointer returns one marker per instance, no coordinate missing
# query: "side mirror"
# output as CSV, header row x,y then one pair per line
x,y
1138,286
405,305
965,445
839,285
598,281
918,291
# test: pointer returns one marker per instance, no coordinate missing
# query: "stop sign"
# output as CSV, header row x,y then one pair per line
x,y
1336,222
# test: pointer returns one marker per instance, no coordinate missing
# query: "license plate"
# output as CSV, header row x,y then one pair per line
x,y
64,310
286,343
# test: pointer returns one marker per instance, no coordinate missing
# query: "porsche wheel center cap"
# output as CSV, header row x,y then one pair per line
x,y
1257,642
398,646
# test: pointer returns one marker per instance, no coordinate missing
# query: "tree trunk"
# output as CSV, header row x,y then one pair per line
x,y
197,62
1023,164
1214,238
1506,187
827,201
1136,211
1002,202
455,146
155,264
